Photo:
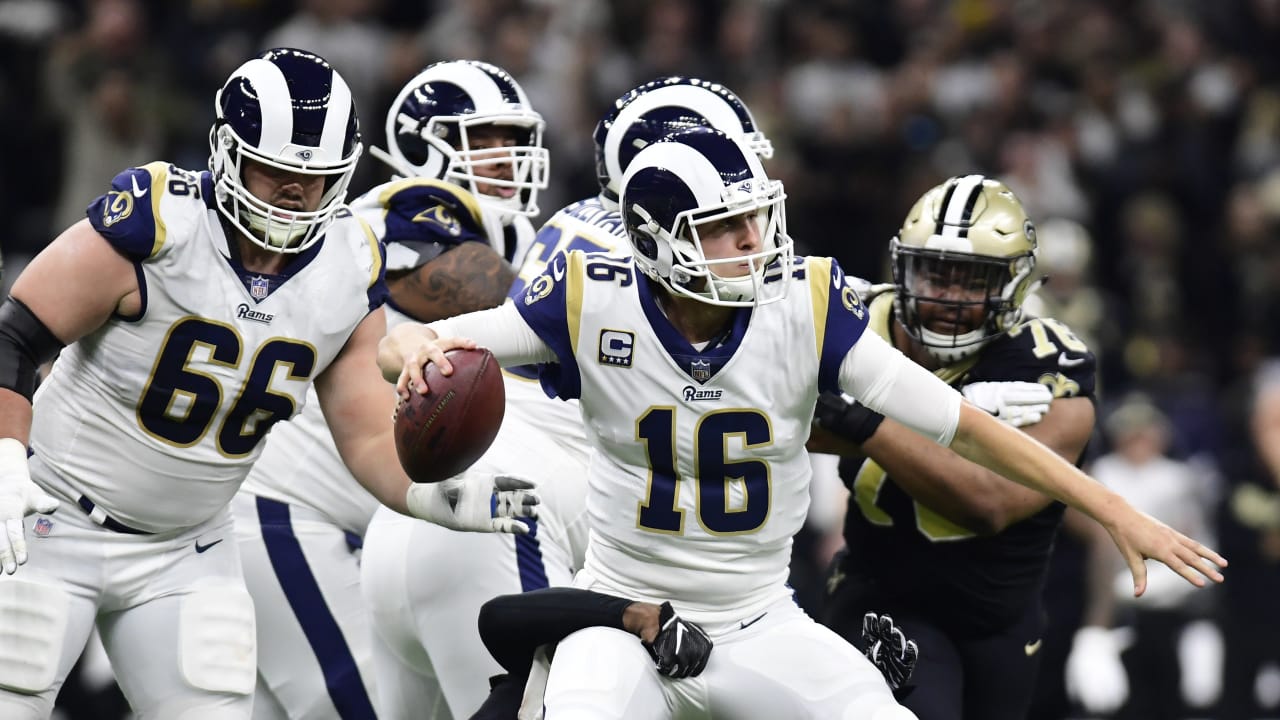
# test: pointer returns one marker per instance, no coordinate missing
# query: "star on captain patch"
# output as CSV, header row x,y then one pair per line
x,y
700,370
259,287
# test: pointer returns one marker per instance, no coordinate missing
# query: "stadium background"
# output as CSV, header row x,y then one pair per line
x,y
1143,137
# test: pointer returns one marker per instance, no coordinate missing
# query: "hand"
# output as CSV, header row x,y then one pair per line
x,y
681,648
1015,403
476,502
19,497
889,650
406,350
1140,536
1095,676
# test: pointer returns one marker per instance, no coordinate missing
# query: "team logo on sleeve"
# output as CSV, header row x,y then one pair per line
x,y
616,347
119,205
849,298
538,289
440,217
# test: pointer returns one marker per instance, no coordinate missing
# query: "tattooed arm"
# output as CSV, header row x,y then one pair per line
x,y
468,277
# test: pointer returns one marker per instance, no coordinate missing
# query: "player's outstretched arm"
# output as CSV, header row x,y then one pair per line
x,y
886,381
1015,455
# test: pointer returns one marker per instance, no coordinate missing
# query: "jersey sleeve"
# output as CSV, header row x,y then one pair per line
x,y
378,293
128,215
425,217
839,318
552,306
1040,350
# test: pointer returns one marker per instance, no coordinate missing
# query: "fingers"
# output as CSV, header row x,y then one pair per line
x,y
510,526
513,482
1138,569
13,548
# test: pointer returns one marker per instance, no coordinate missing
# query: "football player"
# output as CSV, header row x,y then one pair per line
x,y
467,145
429,642
955,552
697,363
196,309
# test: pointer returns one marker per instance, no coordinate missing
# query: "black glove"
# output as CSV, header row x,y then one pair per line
x,y
890,651
681,648
851,421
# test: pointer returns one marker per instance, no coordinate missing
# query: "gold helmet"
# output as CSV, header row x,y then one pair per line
x,y
963,262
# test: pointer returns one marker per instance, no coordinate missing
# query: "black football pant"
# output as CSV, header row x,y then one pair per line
x,y
959,676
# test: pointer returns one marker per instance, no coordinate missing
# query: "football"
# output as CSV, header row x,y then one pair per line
x,y
443,432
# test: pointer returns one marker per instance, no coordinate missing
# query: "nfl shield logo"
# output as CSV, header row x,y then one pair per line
x,y
42,527
700,370
259,287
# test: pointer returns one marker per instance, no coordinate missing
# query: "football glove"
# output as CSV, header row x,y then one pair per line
x,y
1015,403
19,497
476,502
889,650
681,648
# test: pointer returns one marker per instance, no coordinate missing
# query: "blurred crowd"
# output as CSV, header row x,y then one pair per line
x,y
1143,137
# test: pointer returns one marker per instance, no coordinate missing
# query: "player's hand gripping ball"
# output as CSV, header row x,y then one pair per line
x,y
443,432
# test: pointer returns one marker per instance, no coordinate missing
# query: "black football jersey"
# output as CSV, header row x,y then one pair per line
x,y
921,559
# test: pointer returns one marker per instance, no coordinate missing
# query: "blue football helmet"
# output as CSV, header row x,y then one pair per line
x,y
287,109
655,109
691,179
429,127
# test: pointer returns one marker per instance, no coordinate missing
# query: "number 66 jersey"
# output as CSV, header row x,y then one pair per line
x,y
157,418
700,478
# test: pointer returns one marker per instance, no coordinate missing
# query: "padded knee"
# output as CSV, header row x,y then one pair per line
x,y
217,648
33,626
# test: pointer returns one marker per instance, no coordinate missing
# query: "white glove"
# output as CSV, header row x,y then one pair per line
x,y
1014,403
19,497
476,502
1095,676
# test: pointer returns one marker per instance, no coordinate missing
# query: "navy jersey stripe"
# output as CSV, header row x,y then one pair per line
x,y
533,572
341,674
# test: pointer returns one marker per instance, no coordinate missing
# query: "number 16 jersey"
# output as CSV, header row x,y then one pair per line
x,y
701,478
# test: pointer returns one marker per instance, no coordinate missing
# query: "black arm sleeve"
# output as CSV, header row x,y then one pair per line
x,y
513,626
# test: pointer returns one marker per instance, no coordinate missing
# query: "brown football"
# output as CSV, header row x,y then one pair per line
x,y
440,434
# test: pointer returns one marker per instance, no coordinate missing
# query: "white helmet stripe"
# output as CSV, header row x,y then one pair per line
x,y
336,119
478,85
275,102
953,233
706,103
704,180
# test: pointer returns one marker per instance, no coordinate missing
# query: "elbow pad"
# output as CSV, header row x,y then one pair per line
x,y
25,343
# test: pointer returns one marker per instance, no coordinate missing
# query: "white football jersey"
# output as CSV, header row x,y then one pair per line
x,y
592,227
701,478
418,218
157,418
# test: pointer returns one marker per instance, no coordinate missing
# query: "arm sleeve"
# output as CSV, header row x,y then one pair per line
x,y
503,331
513,626
883,379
